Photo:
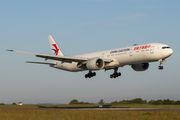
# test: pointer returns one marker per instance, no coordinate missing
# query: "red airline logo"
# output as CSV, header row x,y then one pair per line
x,y
56,50
142,47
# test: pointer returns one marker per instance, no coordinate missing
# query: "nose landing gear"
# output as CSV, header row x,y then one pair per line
x,y
90,74
161,62
115,74
160,67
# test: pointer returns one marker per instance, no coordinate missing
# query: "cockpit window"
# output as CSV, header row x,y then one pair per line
x,y
165,47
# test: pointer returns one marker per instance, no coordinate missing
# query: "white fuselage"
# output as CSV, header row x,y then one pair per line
x,y
123,56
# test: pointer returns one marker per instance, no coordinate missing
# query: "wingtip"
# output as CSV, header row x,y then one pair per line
x,y
10,50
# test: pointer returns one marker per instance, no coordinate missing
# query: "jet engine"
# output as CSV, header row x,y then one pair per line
x,y
140,67
95,64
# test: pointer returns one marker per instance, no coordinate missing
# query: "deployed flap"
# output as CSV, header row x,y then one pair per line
x,y
54,47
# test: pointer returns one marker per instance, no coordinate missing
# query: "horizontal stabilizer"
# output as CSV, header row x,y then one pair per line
x,y
41,63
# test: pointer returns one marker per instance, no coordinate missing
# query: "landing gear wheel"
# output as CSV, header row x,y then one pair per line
x,y
90,74
160,67
119,74
115,75
94,74
111,76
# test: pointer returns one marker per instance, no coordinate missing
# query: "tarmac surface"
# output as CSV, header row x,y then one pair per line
x,y
98,109
123,109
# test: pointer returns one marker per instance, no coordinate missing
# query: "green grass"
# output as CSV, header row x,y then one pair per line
x,y
55,114
59,114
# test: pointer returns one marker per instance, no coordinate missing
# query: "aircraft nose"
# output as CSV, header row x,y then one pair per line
x,y
170,51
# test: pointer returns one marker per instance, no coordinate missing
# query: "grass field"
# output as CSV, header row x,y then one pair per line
x,y
55,114
58,114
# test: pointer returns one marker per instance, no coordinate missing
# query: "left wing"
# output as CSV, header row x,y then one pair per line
x,y
42,63
53,57
83,60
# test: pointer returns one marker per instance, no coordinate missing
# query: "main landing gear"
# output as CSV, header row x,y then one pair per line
x,y
90,74
161,62
115,74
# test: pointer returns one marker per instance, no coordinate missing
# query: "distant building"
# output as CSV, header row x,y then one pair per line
x,y
20,103
100,106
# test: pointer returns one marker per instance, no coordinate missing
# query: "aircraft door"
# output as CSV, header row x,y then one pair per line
x,y
152,49
131,52
102,55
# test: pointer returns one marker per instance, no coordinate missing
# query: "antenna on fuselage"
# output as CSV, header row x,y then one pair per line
x,y
136,44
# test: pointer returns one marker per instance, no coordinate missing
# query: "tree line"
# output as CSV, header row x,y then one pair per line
x,y
153,102
133,101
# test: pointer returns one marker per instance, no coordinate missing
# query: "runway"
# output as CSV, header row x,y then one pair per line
x,y
104,109
122,109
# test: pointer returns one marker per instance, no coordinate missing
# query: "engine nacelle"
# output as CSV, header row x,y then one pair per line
x,y
95,64
140,67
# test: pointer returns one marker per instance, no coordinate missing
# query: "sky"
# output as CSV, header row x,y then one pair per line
x,y
85,26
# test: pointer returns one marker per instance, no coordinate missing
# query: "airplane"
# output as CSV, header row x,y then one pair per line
x,y
137,56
